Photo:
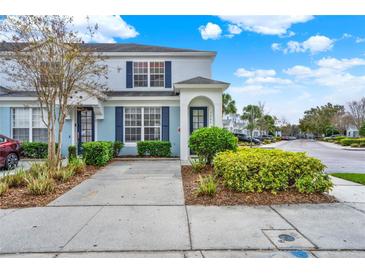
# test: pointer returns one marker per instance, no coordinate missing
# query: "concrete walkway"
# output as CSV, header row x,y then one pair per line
x,y
136,209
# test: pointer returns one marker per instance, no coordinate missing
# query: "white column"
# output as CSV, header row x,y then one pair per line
x,y
184,130
218,116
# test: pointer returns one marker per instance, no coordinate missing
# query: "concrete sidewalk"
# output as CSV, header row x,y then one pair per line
x,y
136,209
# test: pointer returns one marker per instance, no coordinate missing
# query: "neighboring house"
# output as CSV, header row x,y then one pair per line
x,y
352,131
156,93
233,123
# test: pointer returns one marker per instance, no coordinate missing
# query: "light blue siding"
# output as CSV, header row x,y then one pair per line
x,y
174,130
129,150
66,137
5,120
106,127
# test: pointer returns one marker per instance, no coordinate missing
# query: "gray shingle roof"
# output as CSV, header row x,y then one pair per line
x,y
201,81
12,93
114,47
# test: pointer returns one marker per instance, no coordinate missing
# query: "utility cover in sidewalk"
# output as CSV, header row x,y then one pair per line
x,y
287,239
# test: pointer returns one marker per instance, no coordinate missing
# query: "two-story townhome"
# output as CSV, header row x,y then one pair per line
x,y
155,93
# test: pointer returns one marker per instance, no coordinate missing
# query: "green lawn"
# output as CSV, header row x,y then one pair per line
x,y
354,177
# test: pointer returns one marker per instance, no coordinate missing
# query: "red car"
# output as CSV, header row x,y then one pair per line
x,y
9,152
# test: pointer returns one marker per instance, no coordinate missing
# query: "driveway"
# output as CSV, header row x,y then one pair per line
x,y
136,209
334,157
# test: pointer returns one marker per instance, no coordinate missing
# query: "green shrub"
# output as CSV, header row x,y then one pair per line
x,y
207,142
311,184
72,153
154,148
77,165
266,142
197,164
206,186
98,153
117,146
33,150
3,188
257,170
350,141
41,186
19,178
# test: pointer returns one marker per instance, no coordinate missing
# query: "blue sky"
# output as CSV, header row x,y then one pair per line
x,y
290,63
323,62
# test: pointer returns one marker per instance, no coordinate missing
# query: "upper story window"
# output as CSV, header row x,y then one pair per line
x,y
157,74
148,74
140,74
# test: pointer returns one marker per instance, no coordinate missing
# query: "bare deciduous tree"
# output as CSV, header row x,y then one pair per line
x,y
357,112
45,55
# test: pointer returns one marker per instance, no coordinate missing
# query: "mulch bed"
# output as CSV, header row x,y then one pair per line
x,y
226,196
20,197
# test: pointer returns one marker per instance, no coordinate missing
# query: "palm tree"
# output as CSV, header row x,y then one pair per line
x,y
229,105
252,114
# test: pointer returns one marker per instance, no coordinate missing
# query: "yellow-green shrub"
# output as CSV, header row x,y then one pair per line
x,y
256,170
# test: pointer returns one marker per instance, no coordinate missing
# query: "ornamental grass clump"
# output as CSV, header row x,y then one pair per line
x,y
41,185
206,186
18,179
257,170
3,188
197,165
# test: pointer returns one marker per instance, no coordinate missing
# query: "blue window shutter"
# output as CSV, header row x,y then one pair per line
x,y
129,74
165,124
168,74
119,124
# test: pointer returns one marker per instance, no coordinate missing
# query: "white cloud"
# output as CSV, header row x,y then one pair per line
x,y
269,25
261,76
254,90
242,72
234,29
314,44
268,80
210,31
334,74
109,29
298,71
275,46
359,40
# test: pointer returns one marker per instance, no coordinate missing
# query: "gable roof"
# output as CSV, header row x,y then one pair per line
x,y
115,47
201,81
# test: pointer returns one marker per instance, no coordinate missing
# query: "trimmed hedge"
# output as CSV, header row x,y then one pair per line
x,y
72,154
350,141
206,142
35,150
98,153
154,148
117,146
257,170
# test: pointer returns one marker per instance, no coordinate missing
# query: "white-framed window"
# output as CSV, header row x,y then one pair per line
x,y
142,124
157,74
149,74
140,74
27,124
